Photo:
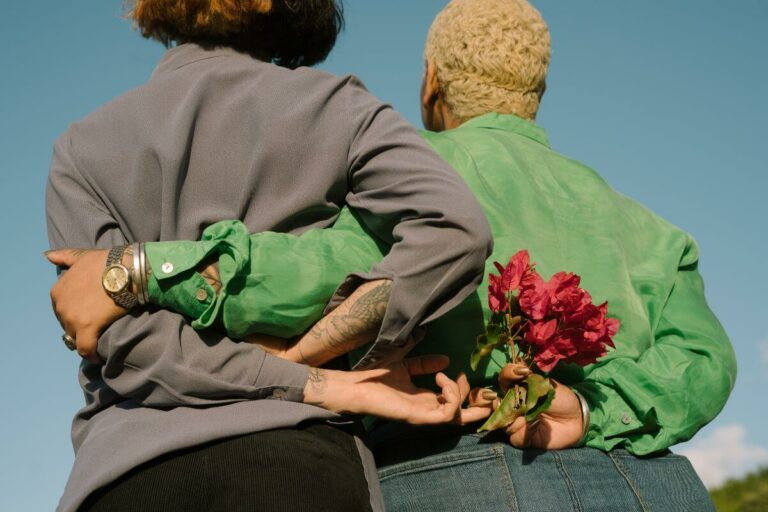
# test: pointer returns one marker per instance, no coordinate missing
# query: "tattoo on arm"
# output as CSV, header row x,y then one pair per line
x,y
317,381
210,273
353,325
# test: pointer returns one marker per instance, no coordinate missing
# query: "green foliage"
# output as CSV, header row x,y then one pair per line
x,y
748,494
493,338
530,399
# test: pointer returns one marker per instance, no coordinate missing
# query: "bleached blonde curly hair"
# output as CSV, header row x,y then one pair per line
x,y
490,56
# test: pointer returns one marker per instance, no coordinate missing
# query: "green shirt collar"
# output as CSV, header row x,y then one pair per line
x,y
510,123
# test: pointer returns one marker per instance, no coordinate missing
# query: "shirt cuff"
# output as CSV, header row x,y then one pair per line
x,y
611,420
175,284
283,380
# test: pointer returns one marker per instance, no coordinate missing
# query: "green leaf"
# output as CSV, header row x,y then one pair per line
x,y
485,344
510,408
494,331
540,395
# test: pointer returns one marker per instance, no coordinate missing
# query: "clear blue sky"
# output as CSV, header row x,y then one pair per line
x,y
666,99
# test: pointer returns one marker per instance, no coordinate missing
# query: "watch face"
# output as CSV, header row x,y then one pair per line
x,y
115,279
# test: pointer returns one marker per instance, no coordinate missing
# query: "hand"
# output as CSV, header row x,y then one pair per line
x,y
389,393
557,428
79,301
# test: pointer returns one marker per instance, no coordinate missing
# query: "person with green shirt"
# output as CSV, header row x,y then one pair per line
x,y
671,371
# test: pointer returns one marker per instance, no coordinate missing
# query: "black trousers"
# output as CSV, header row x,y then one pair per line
x,y
314,468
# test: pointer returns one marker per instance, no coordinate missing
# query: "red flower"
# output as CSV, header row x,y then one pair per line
x,y
513,273
534,296
560,322
565,294
563,346
539,333
497,296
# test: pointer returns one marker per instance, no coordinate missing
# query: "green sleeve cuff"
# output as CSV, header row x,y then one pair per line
x,y
175,284
616,421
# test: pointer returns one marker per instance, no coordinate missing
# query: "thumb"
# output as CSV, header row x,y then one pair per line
x,y
63,257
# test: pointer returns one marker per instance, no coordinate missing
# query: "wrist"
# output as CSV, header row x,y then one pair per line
x,y
332,390
117,278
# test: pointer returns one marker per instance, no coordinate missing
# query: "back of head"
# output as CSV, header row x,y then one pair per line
x,y
290,33
490,56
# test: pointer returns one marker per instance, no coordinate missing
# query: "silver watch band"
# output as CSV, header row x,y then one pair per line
x,y
126,299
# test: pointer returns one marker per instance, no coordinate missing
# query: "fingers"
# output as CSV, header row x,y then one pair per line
x,y
518,433
450,398
454,394
473,414
426,365
483,397
522,433
87,343
62,257
511,374
463,383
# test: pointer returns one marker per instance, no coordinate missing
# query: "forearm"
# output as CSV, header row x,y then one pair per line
x,y
353,324
281,283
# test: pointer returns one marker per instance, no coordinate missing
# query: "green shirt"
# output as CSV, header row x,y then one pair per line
x,y
673,367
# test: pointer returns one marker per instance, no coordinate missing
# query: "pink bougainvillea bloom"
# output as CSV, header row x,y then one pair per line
x,y
539,333
565,294
534,297
513,273
497,297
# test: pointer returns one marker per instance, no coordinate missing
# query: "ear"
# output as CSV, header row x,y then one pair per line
x,y
430,87
432,111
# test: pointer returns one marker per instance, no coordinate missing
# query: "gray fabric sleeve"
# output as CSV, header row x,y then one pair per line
x,y
156,357
413,199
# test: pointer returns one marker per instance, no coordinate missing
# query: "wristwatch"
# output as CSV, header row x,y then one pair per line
x,y
116,279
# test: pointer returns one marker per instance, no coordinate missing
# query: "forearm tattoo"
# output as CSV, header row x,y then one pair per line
x,y
212,276
341,332
318,383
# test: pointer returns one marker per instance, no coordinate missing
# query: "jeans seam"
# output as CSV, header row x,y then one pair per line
x,y
622,470
442,462
569,483
509,484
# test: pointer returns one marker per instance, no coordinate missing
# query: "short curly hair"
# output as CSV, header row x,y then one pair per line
x,y
290,33
490,56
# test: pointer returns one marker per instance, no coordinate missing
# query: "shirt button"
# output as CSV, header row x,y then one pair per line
x,y
167,267
201,294
626,419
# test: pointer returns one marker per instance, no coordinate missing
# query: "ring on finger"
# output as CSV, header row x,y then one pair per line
x,y
69,341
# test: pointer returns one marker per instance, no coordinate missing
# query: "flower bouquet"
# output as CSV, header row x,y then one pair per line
x,y
540,324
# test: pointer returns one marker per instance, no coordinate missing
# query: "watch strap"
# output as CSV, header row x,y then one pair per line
x,y
125,299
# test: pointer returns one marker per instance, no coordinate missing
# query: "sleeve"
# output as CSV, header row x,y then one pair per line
x,y
156,358
411,198
676,386
271,283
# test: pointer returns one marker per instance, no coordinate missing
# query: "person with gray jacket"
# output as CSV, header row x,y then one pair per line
x,y
231,127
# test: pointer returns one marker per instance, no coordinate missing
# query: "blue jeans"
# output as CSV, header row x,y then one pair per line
x,y
433,470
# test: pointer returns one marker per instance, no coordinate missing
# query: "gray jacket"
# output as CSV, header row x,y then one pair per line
x,y
218,135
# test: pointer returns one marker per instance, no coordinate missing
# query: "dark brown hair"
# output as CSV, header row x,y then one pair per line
x,y
290,33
